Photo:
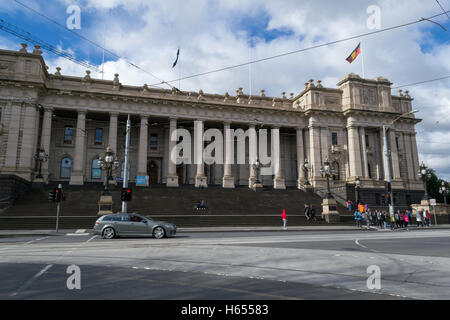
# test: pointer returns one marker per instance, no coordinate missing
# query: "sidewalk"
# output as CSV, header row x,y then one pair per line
x,y
27,233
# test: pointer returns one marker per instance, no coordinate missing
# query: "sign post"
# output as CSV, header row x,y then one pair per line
x,y
433,203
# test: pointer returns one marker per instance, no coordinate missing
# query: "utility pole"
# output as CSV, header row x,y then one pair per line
x,y
387,162
388,171
58,206
125,165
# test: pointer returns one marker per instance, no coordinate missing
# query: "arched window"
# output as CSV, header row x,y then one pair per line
x,y
96,171
66,167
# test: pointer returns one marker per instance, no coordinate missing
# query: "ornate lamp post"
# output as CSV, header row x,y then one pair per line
x,y
424,173
257,165
444,191
357,188
326,171
306,169
108,163
41,156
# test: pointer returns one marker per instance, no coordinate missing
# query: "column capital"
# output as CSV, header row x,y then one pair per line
x,y
82,112
227,123
48,109
114,114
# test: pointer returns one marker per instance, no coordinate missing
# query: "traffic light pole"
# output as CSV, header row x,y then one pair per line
x,y
125,165
388,171
58,208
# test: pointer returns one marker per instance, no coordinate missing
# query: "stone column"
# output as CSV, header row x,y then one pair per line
x,y
415,155
77,175
409,156
45,139
228,179
314,151
112,134
324,134
365,164
354,150
394,156
300,158
278,181
381,164
13,138
143,147
200,178
252,154
28,145
172,178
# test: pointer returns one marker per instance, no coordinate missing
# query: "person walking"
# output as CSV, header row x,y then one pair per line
x,y
392,217
397,219
383,219
428,218
284,217
350,205
358,217
402,219
419,215
307,212
406,219
312,212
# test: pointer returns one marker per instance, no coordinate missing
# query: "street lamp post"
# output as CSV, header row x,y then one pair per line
x,y
424,173
108,163
327,172
41,156
357,188
306,169
444,191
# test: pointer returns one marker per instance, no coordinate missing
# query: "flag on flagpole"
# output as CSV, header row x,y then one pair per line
x,y
354,54
175,63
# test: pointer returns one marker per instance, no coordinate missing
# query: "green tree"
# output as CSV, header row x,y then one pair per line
x,y
433,185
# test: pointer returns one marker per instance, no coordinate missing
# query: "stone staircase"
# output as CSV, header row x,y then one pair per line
x,y
225,207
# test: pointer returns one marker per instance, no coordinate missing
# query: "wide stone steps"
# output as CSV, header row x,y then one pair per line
x,y
225,207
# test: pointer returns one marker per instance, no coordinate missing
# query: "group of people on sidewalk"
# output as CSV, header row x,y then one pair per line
x,y
309,211
363,215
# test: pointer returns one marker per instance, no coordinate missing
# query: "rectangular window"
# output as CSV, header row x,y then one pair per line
x,y
98,138
367,140
0,114
154,141
68,134
334,139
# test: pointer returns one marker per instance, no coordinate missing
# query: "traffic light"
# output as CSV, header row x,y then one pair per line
x,y
388,198
126,194
51,195
58,193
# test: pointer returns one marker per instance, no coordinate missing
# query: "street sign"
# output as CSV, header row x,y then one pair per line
x,y
432,202
142,180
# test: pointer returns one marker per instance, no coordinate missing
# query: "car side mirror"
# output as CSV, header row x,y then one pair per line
x,y
144,221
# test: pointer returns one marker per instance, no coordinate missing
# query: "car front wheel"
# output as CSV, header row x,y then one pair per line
x,y
159,232
108,233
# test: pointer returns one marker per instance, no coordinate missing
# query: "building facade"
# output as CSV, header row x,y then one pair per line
x,y
74,119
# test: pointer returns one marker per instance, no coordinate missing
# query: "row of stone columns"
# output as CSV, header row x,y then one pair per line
x,y
358,164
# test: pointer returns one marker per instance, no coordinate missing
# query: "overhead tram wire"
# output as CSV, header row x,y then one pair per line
x,y
308,49
94,43
421,82
27,36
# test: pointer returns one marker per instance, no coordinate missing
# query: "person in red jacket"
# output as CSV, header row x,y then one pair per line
x,y
284,217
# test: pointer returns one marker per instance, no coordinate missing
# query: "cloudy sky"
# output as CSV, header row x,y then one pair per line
x,y
220,33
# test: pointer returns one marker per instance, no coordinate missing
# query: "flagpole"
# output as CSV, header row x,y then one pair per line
x,y
362,61
179,72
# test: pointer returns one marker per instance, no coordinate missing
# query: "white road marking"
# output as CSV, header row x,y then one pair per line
x,y
39,239
77,234
29,282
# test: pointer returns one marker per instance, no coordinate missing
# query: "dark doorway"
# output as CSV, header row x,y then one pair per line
x,y
180,174
153,172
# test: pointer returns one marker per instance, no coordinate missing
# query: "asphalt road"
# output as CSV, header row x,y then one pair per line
x,y
229,265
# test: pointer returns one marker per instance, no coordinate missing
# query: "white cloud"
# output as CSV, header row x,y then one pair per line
x,y
204,31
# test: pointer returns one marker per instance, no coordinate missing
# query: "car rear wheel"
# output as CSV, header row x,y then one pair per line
x,y
159,232
108,233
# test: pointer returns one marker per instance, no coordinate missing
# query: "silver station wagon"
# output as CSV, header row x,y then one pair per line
x,y
132,224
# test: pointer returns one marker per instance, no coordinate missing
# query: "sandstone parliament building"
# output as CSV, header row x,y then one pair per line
x,y
74,119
